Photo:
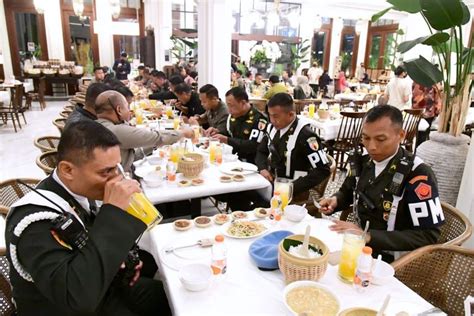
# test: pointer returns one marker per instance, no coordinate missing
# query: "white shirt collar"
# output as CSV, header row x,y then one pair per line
x,y
82,200
381,165
284,130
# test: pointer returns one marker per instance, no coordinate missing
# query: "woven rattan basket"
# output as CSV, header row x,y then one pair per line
x,y
295,268
191,169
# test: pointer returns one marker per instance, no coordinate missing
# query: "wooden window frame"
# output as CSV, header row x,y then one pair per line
x,y
383,31
326,28
355,48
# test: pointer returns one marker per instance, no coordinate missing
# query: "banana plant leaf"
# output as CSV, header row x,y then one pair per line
x,y
466,14
423,72
380,14
443,14
432,40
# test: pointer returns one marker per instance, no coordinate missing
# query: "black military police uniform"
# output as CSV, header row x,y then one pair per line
x,y
70,281
403,221
297,155
245,133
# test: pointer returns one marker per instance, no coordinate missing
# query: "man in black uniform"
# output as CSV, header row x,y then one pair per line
x,y
87,111
76,268
291,149
242,128
188,101
395,191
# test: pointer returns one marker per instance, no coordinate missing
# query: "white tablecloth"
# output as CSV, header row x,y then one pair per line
x,y
350,96
171,192
327,129
5,97
245,290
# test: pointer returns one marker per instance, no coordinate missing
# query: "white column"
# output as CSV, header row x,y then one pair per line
x,y
214,38
6,58
54,30
362,43
337,25
103,29
158,15
308,14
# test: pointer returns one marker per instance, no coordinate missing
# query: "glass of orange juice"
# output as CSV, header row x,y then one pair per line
x,y
141,207
285,187
139,116
174,153
169,111
171,172
176,123
212,150
352,245
218,154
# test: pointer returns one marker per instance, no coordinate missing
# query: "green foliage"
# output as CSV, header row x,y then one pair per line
x,y
299,53
182,47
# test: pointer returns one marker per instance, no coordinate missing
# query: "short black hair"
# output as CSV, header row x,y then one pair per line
x,y
141,67
248,74
274,79
380,111
176,80
158,74
281,99
125,91
79,140
193,74
93,91
182,88
399,70
258,74
238,93
209,90
123,54
239,72
99,68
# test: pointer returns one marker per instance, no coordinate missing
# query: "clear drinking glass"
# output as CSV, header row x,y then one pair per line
x,y
285,187
352,245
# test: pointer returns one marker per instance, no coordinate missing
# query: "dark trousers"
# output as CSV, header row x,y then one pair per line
x,y
423,136
146,297
243,201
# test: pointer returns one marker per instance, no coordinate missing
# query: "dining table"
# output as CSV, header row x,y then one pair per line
x,y
246,290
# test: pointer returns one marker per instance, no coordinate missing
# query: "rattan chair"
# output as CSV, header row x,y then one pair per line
x,y
442,275
457,227
47,143
11,191
348,137
47,161
7,307
65,114
411,121
60,123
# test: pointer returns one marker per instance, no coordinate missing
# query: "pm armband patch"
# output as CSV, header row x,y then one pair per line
x,y
426,213
423,191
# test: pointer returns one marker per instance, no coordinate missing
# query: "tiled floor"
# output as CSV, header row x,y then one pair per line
x,y
18,153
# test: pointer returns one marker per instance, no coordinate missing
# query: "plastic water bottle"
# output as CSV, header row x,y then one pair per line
x,y
363,273
219,256
275,207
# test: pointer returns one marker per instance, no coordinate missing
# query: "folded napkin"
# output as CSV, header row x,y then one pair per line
x,y
264,251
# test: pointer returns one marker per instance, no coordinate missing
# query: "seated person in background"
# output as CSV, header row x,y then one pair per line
x,y
159,85
188,101
244,127
55,274
303,90
395,190
238,81
87,112
286,78
190,78
341,83
275,87
216,111
140,76
324,82
383,76
291,149
113,112
257,87
365,79
99,75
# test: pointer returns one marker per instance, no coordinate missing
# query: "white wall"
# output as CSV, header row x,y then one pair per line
x,y
4,44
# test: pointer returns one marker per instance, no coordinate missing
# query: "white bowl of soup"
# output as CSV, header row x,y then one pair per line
x,y
311,299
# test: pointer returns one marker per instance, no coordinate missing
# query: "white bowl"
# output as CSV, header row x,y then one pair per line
x,y
230,158
382,273
295,213
297,284
153,179
154,160
195,277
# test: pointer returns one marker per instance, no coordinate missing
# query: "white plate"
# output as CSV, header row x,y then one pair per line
x,y
144,169
227,225
228,166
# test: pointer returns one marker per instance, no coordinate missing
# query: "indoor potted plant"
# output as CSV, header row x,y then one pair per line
x,y
447,149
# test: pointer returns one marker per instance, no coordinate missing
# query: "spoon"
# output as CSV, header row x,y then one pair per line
x,y
201,242
384,306
145,159
304,249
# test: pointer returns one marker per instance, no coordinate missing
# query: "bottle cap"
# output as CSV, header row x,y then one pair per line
x,y
220,238
367,250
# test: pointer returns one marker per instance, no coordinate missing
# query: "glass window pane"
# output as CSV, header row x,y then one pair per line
x,y
389,52
81,41
26,25
375,51
347,51
130,45
319,42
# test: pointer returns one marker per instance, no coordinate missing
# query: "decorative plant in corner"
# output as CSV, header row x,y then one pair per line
x,y
444,19
299,54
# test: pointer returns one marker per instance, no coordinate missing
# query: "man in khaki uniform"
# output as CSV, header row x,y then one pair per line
x,y
113,112
216,111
